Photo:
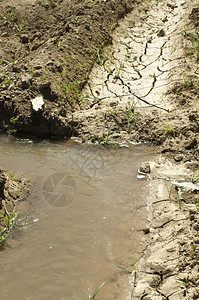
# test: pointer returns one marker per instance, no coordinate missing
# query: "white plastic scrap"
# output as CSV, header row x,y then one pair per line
x,y
37,103
187,186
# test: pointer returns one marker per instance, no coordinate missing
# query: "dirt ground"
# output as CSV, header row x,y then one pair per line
x,y
48,49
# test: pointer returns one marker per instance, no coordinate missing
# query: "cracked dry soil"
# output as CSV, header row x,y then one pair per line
x,y
168,268
144,87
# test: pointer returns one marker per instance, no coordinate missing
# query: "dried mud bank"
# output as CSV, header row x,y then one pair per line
x,y
145,88
12,193
47,49
168,268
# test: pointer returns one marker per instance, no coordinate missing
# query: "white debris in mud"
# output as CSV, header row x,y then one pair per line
x,y
37,103
187,186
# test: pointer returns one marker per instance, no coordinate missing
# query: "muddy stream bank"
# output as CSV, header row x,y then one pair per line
x,y
91,217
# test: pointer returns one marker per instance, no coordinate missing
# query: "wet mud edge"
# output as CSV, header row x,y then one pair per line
x,y
13,193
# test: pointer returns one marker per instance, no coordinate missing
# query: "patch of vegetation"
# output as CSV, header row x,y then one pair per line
x,y
130,114
57,41
194,48
170,131
103,139
194,178
117,74
10,16
13,191
20,27
12,176
8,220
72,92
11,131
13,120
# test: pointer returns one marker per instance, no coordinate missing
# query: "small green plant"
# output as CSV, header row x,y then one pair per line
x,y
8,80
194,49
76,21
72,92
13,120
194,251
186,282
64,93
101,56
194,178
10,16
97,290
12,176
103,139
27,183
170,131
187,81
11,131
20,27
8,220
31,71
52,3
117,74
6,18
57,41
12,60
129,111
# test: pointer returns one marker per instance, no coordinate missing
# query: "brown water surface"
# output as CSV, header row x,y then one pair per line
x,y
85,209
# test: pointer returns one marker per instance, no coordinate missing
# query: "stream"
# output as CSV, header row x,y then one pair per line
x,y
84,209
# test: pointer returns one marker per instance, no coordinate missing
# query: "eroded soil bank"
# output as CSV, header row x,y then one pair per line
x,y
48,49
13,192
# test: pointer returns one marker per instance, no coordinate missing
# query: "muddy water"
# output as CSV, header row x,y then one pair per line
x,y
83,215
